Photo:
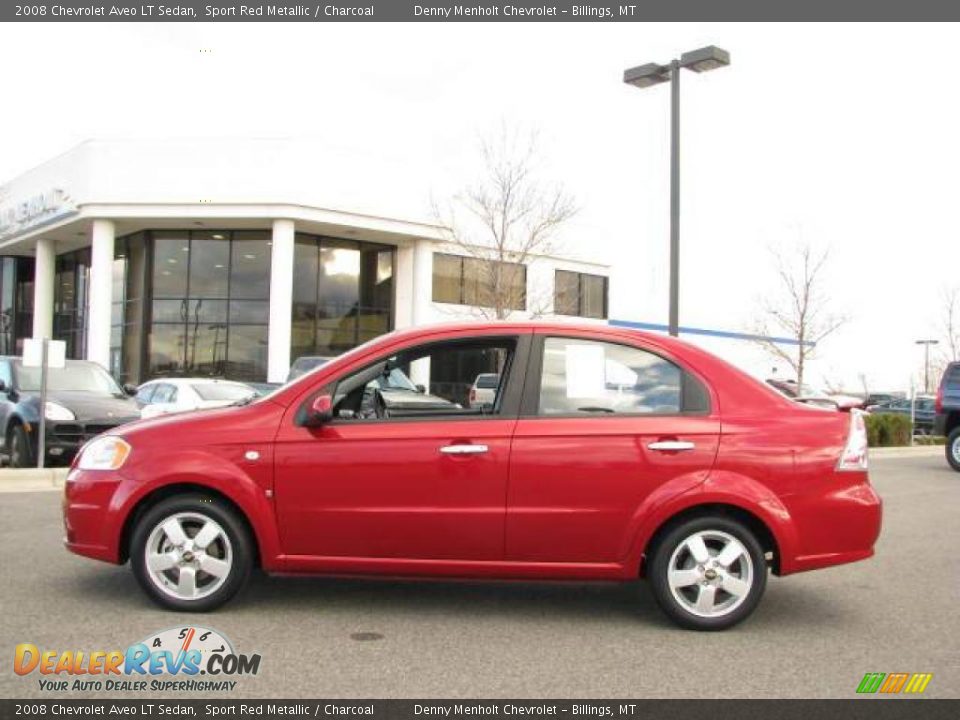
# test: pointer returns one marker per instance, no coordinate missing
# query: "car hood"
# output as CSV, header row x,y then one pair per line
x,y
91,406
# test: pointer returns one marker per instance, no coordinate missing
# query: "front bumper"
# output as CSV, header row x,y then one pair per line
x,y
89,524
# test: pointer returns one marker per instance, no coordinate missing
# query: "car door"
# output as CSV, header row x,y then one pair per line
x,y
604,425
429,481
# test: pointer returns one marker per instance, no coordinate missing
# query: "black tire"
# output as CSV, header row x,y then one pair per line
x,y
196,506
674,541
21,454
952,448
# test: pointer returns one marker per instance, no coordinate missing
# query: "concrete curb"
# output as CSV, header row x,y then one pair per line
x,y
32,480
915,451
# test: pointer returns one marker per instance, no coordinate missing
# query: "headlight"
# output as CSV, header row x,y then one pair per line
x,y
57,412
105,453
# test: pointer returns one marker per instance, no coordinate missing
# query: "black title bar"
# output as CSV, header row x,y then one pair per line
x,y
519,11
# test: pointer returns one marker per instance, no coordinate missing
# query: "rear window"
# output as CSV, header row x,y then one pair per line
x,y
222,391
953,372
488,382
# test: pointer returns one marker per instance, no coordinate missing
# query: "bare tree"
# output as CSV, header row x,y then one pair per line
x,y
799,311
951,323
503,222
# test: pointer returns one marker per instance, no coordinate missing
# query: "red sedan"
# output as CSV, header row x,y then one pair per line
x,y
603,454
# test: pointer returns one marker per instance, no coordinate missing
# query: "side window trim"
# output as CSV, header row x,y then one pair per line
x,y
508,404
530,403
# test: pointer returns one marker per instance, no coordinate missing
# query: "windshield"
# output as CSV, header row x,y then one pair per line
x,y
75,376
223,391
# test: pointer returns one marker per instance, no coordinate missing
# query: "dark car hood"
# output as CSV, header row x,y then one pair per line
x,y
92,406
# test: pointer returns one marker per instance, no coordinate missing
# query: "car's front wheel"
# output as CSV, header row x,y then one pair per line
x,y
953,449
708,573
191,552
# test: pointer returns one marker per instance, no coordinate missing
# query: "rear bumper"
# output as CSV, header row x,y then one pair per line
x,y
838,525
89,524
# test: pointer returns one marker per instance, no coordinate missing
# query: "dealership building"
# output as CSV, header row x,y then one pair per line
x,y
232,258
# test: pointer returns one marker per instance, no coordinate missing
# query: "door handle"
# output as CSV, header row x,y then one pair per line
x,y
671,445
463,449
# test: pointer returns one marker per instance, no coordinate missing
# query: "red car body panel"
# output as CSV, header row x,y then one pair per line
x,y
554,497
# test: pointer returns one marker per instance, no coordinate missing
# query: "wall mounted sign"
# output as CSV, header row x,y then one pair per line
x,y
34,211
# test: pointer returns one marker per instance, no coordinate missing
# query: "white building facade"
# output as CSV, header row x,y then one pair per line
x,y
232,258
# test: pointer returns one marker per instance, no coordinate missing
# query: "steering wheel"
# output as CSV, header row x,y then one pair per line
x,y
380,405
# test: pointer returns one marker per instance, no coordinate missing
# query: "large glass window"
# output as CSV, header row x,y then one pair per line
x,y
71,301
580,294
478,282
342,294
210,305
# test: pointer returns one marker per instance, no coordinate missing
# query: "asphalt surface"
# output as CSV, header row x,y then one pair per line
x,y
814,634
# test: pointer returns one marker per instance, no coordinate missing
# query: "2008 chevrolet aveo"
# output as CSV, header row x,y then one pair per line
x,y
603,454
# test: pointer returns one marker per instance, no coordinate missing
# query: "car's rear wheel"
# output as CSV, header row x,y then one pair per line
x,y
21,455
191,552
708,573
953,448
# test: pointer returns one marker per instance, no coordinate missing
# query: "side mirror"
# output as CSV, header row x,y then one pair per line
x,y
421,388
130,390
321,410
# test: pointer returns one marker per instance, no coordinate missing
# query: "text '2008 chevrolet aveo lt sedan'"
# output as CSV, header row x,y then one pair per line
x,y
603,454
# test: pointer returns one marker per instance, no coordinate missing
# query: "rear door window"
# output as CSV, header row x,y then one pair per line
x,y
587,377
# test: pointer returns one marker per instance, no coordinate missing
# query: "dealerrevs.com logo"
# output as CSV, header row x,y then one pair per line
x,y
185,659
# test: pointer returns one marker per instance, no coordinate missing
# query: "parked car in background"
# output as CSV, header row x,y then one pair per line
x,y
875,399
484,390
175,395
607,457
83,400
946,420
304,364
262,388
922,410
811,396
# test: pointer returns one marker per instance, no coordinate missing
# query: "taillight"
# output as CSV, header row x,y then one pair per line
x,y
473,395
854,455
938,405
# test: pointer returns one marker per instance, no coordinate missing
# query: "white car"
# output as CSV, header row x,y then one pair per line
x,y
484,390
174,395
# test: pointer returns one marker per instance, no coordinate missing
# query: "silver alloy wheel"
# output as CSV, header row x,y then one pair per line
x,y
710,573
955,449
188,556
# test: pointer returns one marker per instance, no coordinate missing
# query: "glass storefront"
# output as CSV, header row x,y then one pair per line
x,y
342,294
16,303
210,304
197,302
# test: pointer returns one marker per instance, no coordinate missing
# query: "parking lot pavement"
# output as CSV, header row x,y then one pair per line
x,y
813,635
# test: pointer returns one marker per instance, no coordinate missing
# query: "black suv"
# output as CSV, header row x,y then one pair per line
x,y
82,401
947,419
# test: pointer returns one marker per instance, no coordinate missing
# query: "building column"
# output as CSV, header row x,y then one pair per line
x,y
44,275
422,297
281,301
100,292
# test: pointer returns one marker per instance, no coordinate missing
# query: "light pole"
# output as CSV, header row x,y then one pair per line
x,y
708,58
926,362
